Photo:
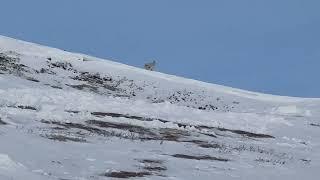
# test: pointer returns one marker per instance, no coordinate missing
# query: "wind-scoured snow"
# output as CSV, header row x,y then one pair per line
x,y
71,116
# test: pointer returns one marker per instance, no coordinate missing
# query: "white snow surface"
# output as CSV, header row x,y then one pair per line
x,y
72,116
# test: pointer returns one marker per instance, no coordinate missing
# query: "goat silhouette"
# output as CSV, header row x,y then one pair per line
x,y
150,66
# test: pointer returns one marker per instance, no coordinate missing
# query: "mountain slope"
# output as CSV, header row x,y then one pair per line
x,y
72,116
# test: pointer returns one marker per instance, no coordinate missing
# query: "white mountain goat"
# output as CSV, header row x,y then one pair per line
x,y
150,66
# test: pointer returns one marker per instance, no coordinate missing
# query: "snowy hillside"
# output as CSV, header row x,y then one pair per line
x,y
67,116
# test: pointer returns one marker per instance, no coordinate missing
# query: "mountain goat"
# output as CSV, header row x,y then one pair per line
x,y
150,66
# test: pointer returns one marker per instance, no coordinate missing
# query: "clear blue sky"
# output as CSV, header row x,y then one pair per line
x,y
270,46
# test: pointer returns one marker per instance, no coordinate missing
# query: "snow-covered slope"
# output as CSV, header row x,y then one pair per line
x,y
71,116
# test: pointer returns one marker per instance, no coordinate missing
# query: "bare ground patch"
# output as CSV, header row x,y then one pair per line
x,y
170,134
205,144
87,129
26,107
239,132
122,126
152,165
202,157
107,129
135,132
32,79
149,167
234,131
84,87
69,125
64,138
270,161
314,124
126,174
